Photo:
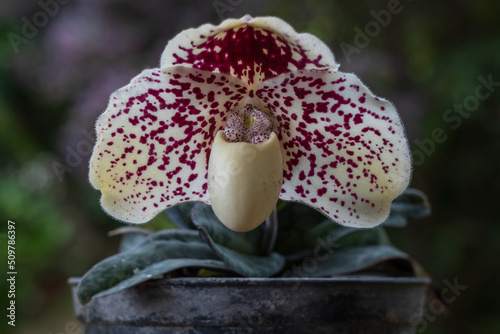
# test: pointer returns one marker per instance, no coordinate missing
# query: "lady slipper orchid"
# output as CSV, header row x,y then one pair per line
x,y
244,113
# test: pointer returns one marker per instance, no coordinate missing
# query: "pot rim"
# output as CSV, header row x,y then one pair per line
x,y
345,279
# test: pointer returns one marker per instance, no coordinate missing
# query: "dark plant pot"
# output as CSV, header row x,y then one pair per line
x,y
346,304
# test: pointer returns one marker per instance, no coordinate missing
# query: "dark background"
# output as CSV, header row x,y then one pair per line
x,y
427,57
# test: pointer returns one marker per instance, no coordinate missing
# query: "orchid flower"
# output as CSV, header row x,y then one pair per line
x,y
240,115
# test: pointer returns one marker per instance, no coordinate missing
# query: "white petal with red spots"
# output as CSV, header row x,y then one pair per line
x,y
154,139
250,49
345,151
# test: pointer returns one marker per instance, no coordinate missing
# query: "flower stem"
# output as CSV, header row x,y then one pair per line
x,y
270,233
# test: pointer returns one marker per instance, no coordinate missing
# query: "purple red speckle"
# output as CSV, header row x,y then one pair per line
x,y
239,51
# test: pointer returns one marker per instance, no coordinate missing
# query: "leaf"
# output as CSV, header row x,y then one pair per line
x,y
167,245
242,242
245,264
327,229
412,204
363,237
129,230
295,220
347,261
180,215
180,235
338,237
161,268
131,236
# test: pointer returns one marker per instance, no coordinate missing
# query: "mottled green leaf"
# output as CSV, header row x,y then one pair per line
x,y
160,268
327,229
180,215
131,236
180,235
336,237
346,261
245,264
295,220
412,204
119,267
242,242
363,237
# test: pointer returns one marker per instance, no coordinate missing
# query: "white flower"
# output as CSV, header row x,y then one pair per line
x,y
243,113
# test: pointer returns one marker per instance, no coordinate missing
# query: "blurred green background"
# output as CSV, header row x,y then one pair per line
x,y
59,61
